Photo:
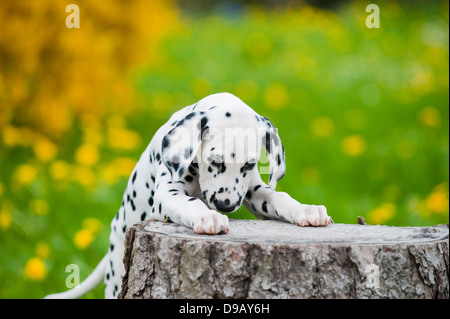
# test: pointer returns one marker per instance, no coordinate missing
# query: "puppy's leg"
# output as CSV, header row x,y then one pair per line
x,y
172,203
115,269
264,202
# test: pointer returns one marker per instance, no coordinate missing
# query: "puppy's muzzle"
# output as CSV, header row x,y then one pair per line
x,y
224,206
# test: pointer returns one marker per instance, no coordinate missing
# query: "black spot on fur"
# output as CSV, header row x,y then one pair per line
x,y
268,142
165,142
189,178
111,247
192,199
143,216
227,114
212,198
264,207
190,115
160,208
203,126
134,177
150,201
180,123
192,170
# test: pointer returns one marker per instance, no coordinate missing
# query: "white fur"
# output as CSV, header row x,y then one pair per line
x,y
202,161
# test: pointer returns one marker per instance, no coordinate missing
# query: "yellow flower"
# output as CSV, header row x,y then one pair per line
x,y
124,166
5,218
120,167
93,225
109,174
437,201
83,238
322,126
25,174
59,170
87,154
84,175
11,135
39,206
276,96
42,250
123,139
430,116
45,150
382,213
353,145
35,269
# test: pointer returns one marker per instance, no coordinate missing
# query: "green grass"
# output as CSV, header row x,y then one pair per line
x,y
362,113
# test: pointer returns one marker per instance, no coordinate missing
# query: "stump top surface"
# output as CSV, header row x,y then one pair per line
x,y
279,233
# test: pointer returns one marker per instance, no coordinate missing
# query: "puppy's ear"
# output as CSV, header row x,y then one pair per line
x,y
182,143
275,152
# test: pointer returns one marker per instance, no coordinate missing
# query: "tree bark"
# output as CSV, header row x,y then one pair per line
x,y
270,259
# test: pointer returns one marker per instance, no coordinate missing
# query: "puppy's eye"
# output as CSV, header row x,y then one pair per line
x,y
249,166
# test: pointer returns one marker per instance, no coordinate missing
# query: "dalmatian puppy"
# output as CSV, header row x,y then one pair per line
x,y
203,161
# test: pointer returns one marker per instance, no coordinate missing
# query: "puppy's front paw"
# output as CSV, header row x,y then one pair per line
x,y
211,222
301,214
314,215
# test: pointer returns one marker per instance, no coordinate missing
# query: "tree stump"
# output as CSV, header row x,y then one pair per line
x,y
270,259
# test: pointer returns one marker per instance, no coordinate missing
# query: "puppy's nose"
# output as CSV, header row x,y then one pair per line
x,y
224,206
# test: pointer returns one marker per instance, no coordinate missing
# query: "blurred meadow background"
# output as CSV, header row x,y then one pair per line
x,y
363,113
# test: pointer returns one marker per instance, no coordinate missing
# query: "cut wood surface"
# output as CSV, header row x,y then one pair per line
x,y
271,259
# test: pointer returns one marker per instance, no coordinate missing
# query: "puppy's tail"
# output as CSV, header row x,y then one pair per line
x,y
92,281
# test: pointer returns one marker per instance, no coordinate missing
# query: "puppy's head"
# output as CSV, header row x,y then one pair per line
x,y
223,136
229,159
